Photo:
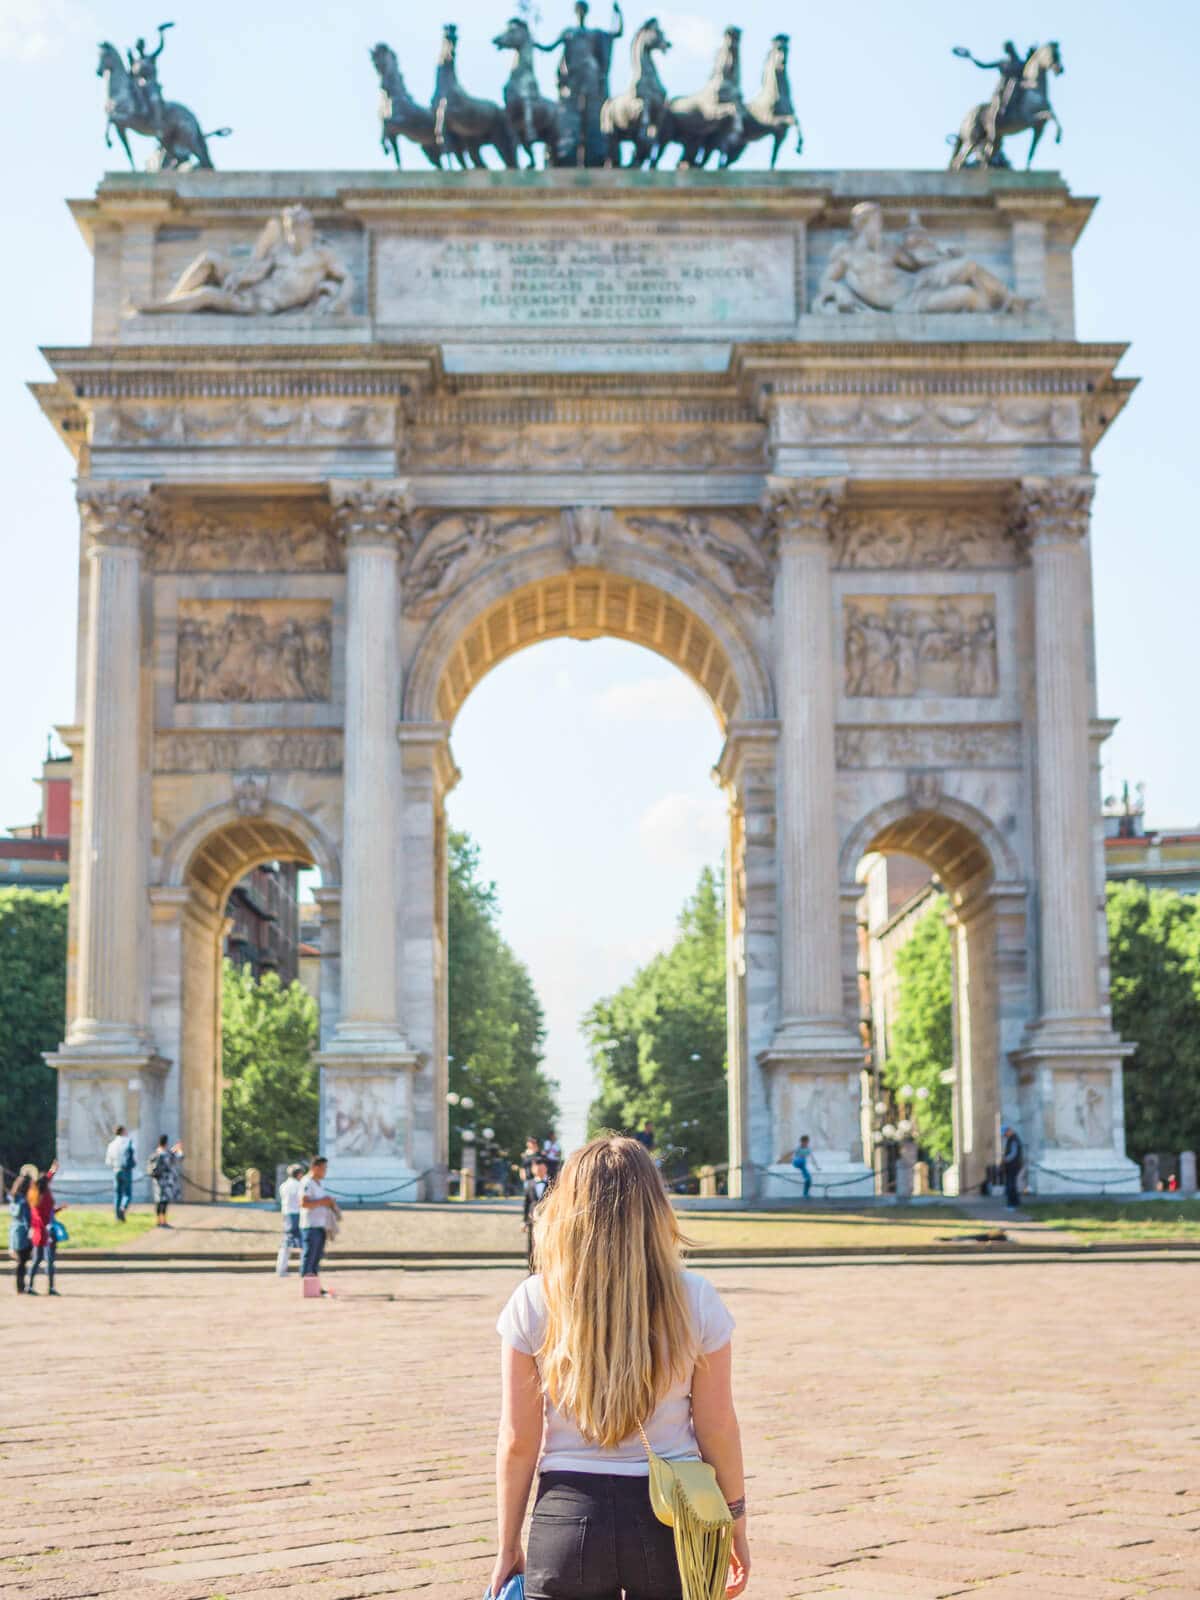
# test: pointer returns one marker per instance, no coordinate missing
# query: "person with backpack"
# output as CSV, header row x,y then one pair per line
x,y
45,1230
166,1178
20,1236
121,1157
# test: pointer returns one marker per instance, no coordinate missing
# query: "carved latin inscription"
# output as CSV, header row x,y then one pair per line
x,y
927,645
253,650
292,751
901,745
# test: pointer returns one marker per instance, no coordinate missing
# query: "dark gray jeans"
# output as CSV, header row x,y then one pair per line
x,y
594,1537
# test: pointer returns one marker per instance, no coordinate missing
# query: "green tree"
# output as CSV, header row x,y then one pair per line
x,y
658,1044
921,1042
33,995
1154,943
497,1029
269,1033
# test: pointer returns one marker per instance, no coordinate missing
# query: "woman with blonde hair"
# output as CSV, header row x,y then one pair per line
x,y
613,1338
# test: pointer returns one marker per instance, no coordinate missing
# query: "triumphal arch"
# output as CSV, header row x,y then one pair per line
x,y
824,440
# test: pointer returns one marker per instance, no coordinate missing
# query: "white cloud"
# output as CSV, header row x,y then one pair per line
x,y
690,34
667,698
35,30
683,828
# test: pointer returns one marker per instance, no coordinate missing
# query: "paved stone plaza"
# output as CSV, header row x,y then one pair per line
x,y
1012,1431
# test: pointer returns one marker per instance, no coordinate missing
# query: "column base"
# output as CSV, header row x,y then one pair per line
x,y
366,1120
100,1089
1072,1108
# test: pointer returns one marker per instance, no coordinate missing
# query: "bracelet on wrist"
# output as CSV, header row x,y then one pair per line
x,y
737,1508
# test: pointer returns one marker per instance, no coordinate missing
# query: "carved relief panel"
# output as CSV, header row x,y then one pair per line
x,y
228,534
921,645
253,650
1081,1115
923,539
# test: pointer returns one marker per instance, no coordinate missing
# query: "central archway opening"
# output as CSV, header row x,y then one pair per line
x,y
586,785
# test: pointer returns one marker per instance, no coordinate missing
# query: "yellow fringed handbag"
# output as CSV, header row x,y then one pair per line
x,y
686,1497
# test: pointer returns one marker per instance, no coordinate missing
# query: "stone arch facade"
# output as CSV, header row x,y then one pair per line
x,y
306,537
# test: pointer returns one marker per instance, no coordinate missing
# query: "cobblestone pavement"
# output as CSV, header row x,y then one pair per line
x,y
1008,1429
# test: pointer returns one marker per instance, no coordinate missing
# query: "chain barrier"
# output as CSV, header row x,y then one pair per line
x,y
1119,1180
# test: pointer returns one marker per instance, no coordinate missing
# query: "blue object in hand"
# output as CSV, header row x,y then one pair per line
x,y
514,1589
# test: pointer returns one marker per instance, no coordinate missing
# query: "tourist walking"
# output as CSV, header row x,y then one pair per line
x,y
20,1234
319,1212
289,1210
1013,1159
802,1160
536,1190
528,1156
44,1229
553,1154
121,1156
167,1177
612,1351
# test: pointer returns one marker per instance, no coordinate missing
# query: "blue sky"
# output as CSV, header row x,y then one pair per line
x,y
586,766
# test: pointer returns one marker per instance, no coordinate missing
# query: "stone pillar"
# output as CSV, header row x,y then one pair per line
x,y
814,1058
109,1070
1070,1063
367,1065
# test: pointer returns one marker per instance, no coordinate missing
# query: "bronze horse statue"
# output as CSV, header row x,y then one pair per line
x,y
532,118
770,113
633,116
710,120
177,130
981,137
462,123
399,114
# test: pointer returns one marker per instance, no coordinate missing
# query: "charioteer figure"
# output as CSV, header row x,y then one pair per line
x,y
143,71
1020,102
583,85
134,103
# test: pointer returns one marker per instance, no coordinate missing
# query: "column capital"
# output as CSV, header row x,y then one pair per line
x,y
371,511
801,509
114,513
1053,511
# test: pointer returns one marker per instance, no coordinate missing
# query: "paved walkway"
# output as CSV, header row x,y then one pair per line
x,y
1003,1429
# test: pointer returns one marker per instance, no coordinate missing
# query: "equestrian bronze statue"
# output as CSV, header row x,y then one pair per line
x,y
462,124
632,117
533,119
400,116
1020,103
134,103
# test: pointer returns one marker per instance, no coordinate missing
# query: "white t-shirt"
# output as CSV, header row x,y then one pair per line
x,y
114,1156
317,1216
670,1431
289,1196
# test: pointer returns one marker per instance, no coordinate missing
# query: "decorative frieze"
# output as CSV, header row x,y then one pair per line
x,y
922,745
927,419
247,751
209,423
923,539
253,650
245,535
930,645
571,448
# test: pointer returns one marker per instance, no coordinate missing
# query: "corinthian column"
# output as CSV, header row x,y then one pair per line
x,y
109,879
1071,1095
1055,518
366,1078
108,1069
814,1056
371,519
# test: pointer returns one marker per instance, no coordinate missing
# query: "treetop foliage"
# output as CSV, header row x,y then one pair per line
x,y
33,1000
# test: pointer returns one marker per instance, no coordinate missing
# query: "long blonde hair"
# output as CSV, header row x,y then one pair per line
x,y
619,1329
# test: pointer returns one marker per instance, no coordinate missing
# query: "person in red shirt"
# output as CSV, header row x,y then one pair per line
x,y
42,1210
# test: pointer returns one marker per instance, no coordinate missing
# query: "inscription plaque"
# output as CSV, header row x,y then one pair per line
x,y
690,280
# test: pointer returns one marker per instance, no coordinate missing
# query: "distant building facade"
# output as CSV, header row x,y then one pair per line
x,y
1161,858
37,855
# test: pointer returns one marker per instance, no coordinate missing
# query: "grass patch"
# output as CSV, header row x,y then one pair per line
x,y
817,1229
1101,1220
95,1228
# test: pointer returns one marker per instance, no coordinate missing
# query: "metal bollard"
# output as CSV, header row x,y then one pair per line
x,y
466,1184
